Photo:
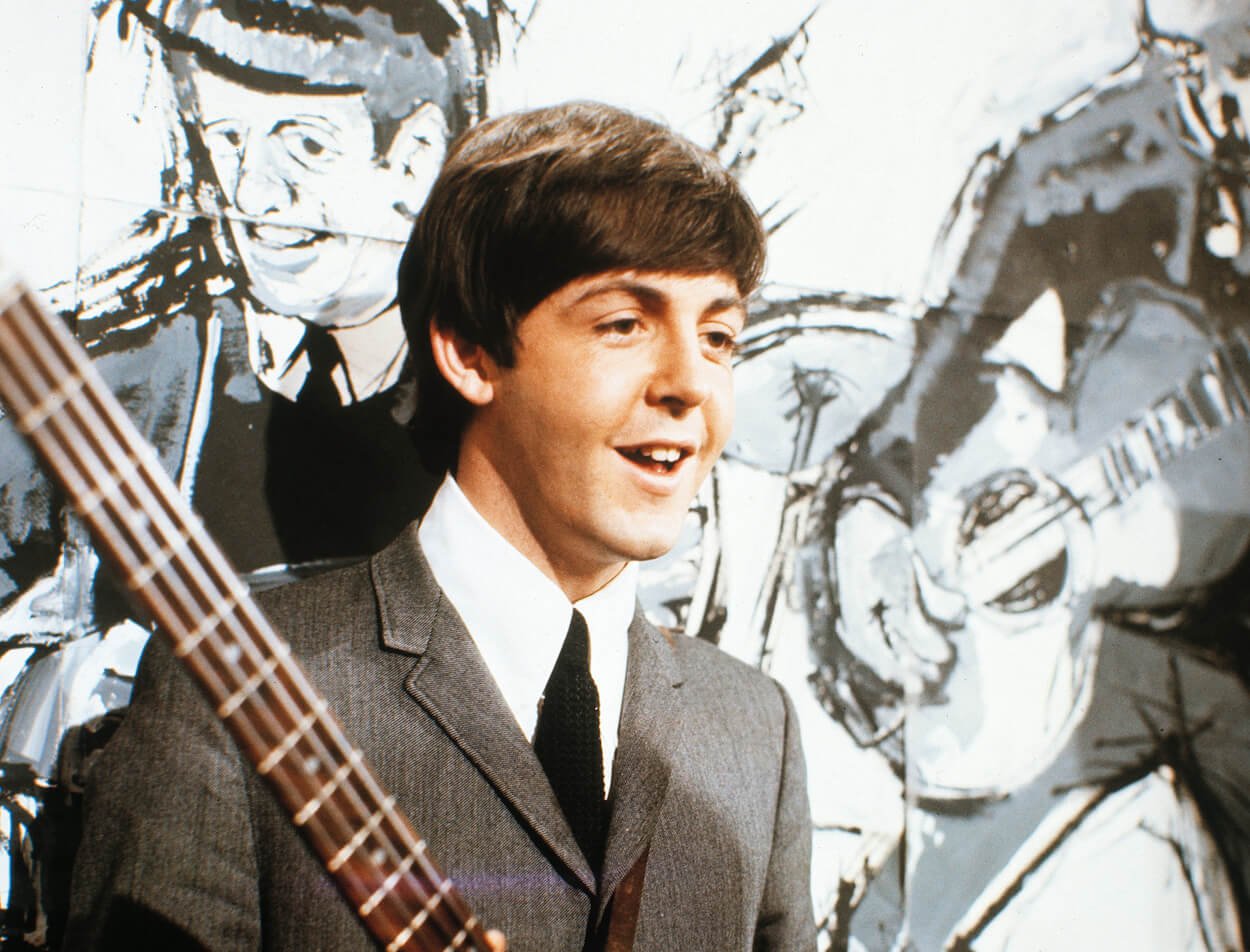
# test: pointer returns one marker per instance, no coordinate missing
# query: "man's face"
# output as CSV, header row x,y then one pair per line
x,y
315,217
619,401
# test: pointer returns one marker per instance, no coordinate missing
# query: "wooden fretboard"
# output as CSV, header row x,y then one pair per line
x,y
164,555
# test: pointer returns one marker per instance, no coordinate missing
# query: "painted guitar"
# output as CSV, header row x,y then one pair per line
x,y
1028,553
167,560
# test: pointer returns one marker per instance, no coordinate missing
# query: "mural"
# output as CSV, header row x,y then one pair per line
x,y
986,510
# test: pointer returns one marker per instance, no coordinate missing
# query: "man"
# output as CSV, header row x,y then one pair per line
x,y
572,292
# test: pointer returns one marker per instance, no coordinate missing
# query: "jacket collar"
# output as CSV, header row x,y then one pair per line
x,y
453,685
649,738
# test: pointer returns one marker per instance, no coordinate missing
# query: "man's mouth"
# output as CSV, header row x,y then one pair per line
x,y
283,237
656,457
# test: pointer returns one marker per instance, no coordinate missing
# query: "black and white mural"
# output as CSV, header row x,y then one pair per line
x,y
986,508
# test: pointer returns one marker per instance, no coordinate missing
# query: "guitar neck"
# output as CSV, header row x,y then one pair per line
x,y
162,552
1215,396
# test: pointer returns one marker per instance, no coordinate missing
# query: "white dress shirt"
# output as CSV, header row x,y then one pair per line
x,y
519,617
373,353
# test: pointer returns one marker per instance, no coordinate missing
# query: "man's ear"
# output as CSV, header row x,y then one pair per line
x,y
466,366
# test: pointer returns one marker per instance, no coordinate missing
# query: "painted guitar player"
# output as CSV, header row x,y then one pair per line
x,y
247,322
1010,572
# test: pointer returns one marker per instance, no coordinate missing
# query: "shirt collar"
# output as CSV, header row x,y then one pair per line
x,y
516,614
373,353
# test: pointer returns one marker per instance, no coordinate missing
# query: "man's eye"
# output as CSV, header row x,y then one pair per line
x,y
621,326
219,136
309,147
721,341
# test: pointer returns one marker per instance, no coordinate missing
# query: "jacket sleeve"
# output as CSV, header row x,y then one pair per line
x,y
786,922
167,858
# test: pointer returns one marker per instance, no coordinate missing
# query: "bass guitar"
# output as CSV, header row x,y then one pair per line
x,y
163,554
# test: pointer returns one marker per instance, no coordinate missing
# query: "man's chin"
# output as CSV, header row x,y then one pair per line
x,y
297,301
644,546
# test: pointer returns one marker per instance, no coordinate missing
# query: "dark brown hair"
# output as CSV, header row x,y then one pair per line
x,y
526,203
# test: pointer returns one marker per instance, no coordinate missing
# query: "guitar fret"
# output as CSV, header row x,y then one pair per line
x,y
1123,467
392,880
207,625
301,729
1196,399
37,414
1234,385
1137,449
1151,427
231,704
146,572
305,812
1236,354
1111,474
89,501
1169,413
1195,427
418,920
1213,390
374,821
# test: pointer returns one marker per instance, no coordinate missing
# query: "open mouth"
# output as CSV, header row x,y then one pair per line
x,y
283,237
658,458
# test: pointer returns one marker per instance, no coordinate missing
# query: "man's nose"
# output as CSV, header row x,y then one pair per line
x,y
260,188
682,377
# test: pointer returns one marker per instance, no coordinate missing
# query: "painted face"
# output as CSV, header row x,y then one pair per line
x,y
315,217
619,401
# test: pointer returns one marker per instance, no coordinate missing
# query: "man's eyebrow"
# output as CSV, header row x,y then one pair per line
x,y
307,119
654,297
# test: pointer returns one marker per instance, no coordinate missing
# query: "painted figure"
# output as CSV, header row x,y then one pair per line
x,y
1021,580
248,325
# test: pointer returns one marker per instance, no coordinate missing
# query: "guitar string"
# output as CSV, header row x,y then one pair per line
x,y
124,521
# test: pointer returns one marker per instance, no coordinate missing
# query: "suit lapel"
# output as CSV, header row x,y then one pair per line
x,y
648,734
452,683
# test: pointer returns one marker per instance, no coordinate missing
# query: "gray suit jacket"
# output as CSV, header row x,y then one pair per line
x,y
181,840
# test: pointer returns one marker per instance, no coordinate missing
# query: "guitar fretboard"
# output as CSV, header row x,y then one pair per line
x,y
1214,396
162,552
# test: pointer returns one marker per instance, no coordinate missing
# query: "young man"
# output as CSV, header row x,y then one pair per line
x,y
572,291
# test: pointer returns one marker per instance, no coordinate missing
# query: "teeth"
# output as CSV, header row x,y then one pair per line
x,y
662,454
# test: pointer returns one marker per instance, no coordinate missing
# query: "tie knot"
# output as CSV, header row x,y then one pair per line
x,y
577,641
323,355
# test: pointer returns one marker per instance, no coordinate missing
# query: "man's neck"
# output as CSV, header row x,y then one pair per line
x,y
577,575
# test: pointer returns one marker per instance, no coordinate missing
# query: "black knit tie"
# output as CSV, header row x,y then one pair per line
x,y
566,740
